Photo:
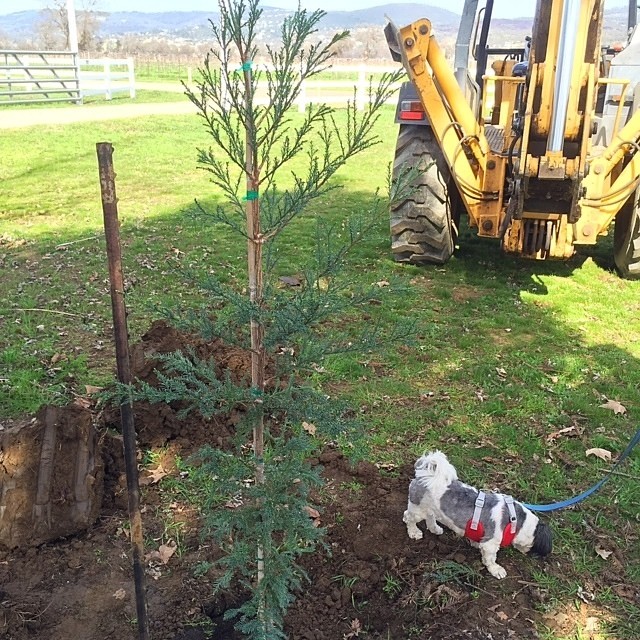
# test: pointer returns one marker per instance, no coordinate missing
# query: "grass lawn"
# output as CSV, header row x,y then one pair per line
x,y
508,369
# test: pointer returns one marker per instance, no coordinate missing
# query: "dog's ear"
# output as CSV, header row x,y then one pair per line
x,y
440,465
421,463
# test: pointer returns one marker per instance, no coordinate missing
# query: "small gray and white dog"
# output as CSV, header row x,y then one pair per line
x,y
490,520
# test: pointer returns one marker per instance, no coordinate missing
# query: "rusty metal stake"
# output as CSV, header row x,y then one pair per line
x,y
116,278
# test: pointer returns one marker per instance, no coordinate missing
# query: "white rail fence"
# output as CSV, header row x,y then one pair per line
x,y
54,76
107,76
357,87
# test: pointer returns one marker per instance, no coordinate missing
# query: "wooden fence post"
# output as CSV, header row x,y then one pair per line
x,y
132,78
107,79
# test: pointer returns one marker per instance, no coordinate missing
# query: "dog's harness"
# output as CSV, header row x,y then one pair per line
x,y
475,529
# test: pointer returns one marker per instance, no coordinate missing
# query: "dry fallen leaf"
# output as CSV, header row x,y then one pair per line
x,y
584,595
592,624
80,401
154,572
603,553
314,515
310,428
382,283
502,616
235,502
603,454
567,431
155,475
614,406
164,552
311,512
120,594
90,389
354,630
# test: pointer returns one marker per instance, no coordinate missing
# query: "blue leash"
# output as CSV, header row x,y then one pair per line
x,y
585,494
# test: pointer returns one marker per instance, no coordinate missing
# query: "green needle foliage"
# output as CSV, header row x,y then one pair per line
x,y
269,164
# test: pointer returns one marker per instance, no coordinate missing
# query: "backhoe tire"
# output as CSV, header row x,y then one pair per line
x,y
424,221
626,239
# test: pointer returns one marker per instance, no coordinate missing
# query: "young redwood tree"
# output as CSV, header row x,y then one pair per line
x,y
286,420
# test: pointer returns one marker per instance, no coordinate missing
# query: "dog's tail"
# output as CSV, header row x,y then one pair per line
x,y
542,541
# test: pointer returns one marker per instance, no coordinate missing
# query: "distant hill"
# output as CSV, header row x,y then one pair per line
x,y
401,14
176,23
194,25
19,24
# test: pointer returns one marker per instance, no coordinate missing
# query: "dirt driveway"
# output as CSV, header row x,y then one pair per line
x,y
30,117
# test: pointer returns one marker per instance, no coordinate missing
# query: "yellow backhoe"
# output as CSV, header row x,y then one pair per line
x,y
525,150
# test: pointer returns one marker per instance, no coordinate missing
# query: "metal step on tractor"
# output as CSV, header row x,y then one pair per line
x,y
539,146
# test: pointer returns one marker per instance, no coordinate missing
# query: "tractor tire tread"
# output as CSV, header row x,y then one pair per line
x,y
421,222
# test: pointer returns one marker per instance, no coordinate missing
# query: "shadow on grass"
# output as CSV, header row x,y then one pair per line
x,y
475,252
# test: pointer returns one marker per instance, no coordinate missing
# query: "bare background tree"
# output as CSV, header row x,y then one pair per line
x,y
53,29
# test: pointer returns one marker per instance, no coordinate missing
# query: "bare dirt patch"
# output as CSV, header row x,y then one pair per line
x,y
463,293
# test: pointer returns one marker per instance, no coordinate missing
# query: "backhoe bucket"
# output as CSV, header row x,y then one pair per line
x,y
391,34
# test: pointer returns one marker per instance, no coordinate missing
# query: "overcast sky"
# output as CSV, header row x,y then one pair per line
x,y
502,8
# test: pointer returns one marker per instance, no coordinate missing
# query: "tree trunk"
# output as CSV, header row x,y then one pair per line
x,y
255,275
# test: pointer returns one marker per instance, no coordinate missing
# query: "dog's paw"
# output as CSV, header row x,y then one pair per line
x,y
415,534
436,530
497,571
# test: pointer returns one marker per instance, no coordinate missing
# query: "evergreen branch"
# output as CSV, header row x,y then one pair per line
x,y
201,322
303,403
282,208
374,337
276,509
294,201
284,86
221,215
221,177
270,163
192,382
211,104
